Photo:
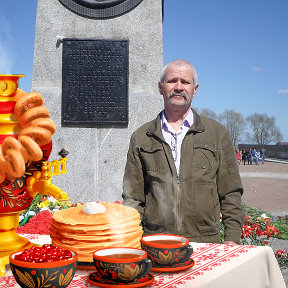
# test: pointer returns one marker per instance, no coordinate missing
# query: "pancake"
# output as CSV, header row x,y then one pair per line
x,y
75,215
118,226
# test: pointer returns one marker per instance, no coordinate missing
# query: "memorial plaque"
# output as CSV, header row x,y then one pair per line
x,y
94,82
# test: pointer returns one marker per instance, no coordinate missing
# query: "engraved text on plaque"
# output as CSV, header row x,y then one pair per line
x,y
94,82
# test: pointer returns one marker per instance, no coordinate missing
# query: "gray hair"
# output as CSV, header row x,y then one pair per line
x,y
179,62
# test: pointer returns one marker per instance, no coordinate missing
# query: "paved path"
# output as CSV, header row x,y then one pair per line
x,y
266,187
264,175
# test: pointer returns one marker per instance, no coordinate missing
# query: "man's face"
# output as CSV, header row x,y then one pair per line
x,y
178,88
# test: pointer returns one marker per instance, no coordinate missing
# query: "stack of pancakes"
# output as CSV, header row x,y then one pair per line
x,y
85,233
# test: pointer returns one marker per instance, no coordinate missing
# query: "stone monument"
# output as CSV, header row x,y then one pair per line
x,y
97,64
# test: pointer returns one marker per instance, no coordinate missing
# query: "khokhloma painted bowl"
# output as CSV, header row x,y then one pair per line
x,y
46,274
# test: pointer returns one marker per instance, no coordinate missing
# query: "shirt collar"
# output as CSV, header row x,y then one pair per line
x,y
188,121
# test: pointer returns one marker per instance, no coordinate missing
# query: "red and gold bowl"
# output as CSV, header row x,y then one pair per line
x,y
121,264
46,274
166,249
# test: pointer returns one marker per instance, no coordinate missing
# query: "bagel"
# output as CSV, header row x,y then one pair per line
x,y
28,101
45,123
2,168
32,114
10,143
39,135
30,147
37,131
15,163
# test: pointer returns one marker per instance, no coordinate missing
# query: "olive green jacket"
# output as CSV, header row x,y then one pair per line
x,y
187,204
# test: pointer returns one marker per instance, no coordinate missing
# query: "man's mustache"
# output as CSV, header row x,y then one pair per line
x,y
178,94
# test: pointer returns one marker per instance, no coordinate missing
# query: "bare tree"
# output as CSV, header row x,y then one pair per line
x,y
208,113
235,124
264,129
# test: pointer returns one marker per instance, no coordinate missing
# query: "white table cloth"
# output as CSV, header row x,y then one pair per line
x,y
216,266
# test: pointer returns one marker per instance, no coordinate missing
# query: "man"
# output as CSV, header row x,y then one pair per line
x,y
181,169
263,155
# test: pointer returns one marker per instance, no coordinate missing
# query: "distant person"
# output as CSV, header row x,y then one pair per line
x,y
257,156
263,155
249,156
239,156
181,171
254,155
244,156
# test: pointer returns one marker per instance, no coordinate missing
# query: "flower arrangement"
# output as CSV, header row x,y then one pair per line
x,y
258,230
40,212
39,224
282,257
37,218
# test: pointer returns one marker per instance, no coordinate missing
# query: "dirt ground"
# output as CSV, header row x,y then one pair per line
x,y
266,186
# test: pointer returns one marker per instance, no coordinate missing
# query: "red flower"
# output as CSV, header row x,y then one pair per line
x,y
279,253
165,252
271,230
132,265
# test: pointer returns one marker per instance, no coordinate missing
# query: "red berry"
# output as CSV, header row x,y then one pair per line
x,y
46,253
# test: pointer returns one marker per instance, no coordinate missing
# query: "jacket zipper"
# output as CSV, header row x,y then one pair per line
x,y
178,218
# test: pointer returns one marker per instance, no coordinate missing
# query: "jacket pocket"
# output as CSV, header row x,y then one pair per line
x,y
204,162
153,157
156,209
207,209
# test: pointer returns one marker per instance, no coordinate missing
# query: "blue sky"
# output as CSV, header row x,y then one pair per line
x,y
239,48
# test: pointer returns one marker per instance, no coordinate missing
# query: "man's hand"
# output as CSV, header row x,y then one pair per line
x,y
230,242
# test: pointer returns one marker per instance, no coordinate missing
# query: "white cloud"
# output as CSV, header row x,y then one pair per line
x,y
257,69
283,91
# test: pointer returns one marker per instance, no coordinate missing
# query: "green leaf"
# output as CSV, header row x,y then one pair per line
x,y
25,220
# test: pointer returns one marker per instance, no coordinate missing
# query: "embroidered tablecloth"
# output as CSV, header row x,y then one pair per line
x,y
216,266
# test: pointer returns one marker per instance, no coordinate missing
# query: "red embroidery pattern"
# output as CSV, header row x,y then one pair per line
x,y
8,282
207,257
